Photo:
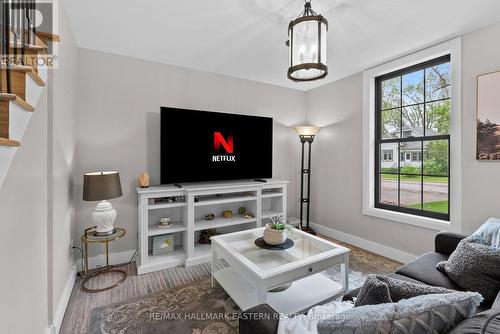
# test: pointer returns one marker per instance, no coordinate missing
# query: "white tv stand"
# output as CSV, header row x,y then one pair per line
x,y
263,200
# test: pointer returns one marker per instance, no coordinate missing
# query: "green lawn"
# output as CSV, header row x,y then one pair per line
x,y
416,178
440,206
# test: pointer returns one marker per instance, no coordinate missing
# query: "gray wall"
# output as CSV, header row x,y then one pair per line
x,y
481,180
119,101
23,242
62,136
337,192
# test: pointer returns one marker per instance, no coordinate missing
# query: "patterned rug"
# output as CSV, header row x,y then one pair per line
x,y
194,308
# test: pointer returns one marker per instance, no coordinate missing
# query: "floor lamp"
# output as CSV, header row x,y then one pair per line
x,y
306,135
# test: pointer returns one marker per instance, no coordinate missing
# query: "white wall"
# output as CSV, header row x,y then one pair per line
x,y
119,100
23,241
336,198
62,136
481,180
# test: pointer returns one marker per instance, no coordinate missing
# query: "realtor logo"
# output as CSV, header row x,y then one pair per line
x,y
227,145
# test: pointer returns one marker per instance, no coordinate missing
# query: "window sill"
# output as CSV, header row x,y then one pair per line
x,y
405,218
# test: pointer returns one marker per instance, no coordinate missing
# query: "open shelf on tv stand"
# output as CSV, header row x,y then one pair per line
x,y
262,199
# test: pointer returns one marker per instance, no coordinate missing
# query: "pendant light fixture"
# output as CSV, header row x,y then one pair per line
x,y
307,46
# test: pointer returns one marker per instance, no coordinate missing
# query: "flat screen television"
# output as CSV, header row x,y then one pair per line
x,y
201,146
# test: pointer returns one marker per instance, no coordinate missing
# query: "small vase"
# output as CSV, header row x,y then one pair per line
x,y
274,237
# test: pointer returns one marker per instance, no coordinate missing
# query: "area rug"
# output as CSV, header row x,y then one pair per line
x,y
194,308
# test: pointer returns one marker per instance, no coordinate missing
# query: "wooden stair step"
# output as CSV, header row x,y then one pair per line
x,y
28,46
16,99
17,81
9,142
35,40
26,69
47,36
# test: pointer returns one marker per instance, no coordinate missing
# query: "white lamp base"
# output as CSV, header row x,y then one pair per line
x,y
104,216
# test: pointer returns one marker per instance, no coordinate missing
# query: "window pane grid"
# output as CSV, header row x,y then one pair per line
x,y
419,183
416,104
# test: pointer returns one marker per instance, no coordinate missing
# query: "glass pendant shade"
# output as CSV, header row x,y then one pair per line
x,y
307,46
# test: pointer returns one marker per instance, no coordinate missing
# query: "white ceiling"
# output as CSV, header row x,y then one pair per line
x,y
246,38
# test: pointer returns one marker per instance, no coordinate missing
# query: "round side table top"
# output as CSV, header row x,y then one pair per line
x,y
90,237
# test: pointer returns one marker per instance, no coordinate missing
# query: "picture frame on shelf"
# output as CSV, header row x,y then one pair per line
x,y
163,244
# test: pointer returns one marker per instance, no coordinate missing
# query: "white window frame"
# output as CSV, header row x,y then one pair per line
x,y
453,48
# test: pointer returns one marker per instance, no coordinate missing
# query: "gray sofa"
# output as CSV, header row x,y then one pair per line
x,y
262,319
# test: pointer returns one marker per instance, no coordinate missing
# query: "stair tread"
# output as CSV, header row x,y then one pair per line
x,y
16,99
28,46
48,35
27,69
9,142
37,41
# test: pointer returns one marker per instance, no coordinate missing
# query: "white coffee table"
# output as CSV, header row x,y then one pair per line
x,y
253,271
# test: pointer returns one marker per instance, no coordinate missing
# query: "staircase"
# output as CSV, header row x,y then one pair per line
x,y
23,73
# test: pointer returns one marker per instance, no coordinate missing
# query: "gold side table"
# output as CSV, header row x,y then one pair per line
x,y
89,238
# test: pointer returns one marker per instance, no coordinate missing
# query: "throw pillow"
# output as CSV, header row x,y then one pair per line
x,y
490,232
379,289
437,313
475,266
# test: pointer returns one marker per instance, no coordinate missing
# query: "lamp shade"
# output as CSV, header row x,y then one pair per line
x,y
307,130
100,186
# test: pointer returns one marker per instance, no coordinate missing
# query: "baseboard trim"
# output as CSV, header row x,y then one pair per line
x,y
371,246
63,302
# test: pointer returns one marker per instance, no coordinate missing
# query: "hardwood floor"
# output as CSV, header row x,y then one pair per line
x,y
367,262
80,305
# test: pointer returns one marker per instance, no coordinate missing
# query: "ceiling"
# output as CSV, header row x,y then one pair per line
x,y
246,38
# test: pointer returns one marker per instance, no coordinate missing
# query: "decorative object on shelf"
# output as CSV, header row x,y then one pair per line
x,y
165,222
275,232
246,214
307,46
144,180
170,199
180,199
210,216
102,186
306,135
163,244
227,214
205,236
488,116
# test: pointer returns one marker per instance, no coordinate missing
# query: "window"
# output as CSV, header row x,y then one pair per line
x,y
387,156
412,114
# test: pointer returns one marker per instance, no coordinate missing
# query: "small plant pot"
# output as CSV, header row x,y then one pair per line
x,y
274,237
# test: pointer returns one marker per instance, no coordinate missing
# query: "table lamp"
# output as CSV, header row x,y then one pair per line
x,y
306,135
102,186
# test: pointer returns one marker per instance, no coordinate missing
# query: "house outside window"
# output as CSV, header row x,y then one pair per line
x,y
413,120
387,155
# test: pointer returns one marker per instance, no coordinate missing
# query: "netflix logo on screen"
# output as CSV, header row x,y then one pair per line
x,y
224,145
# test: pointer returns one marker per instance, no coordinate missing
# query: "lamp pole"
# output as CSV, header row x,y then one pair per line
x,y
306,199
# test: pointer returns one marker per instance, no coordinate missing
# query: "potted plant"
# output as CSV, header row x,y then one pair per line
x,y
275,232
